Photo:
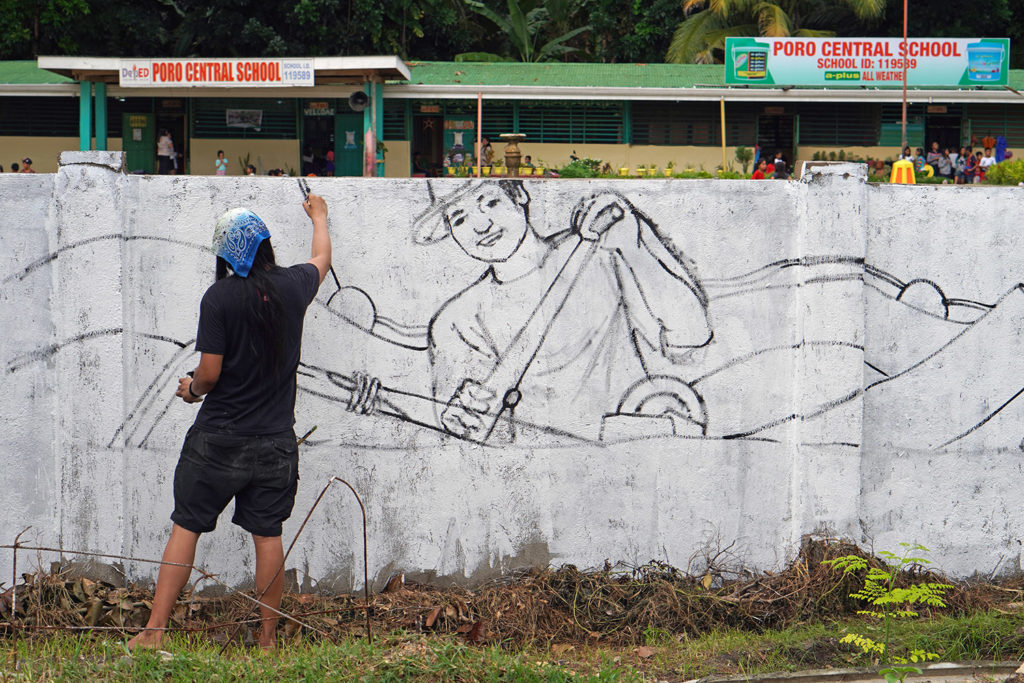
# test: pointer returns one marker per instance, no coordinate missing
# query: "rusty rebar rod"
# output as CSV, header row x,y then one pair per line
x,y
366,585
366,581
14,578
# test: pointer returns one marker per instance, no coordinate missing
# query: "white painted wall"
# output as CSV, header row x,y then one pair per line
x,y
829,402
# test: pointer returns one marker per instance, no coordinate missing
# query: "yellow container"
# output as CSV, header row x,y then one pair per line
x,y
624,171
902,173
486,170
451,170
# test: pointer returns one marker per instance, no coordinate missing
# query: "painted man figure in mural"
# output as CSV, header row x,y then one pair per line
x,y
559,328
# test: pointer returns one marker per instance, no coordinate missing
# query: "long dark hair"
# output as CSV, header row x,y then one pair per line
x,y
262,305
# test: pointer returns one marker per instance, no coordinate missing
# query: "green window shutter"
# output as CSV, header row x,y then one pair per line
x,y
497,119
209,118
394,120
995,120
844,124
892,125
740,123
678,123
39,117
571,122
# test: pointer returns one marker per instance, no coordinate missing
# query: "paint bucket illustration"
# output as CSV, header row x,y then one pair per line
x,y
750,63
984,62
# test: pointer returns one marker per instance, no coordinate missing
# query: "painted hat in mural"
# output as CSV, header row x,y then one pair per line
x,y
237,237
430,226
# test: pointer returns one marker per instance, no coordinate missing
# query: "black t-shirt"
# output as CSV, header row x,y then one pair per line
x,y
247,399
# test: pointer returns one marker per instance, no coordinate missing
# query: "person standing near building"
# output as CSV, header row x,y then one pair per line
x,y
944,165
221,163
985,163
486,152
26,166
165,152
242,444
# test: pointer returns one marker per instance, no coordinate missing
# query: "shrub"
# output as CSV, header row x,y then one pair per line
x,y
1006,173
744,155
582,168
691,174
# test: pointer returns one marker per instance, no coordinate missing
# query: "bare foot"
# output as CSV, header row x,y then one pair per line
x,y
268,643
148,639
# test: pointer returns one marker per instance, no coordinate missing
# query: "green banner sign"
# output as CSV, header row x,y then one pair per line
x,y
867,62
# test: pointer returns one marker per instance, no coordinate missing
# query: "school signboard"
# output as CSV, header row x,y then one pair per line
x,y
218,73
868,62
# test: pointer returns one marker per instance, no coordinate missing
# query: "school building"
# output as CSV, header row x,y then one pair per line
x,y
623,114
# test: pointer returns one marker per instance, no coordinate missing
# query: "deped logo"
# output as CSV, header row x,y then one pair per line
x,y
134,73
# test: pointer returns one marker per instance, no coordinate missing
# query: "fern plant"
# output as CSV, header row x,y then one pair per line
x,y
888,603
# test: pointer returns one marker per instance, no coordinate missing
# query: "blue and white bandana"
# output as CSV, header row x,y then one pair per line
x,y
237,237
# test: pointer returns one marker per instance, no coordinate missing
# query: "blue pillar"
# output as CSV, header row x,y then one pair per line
x,y
101,115
378,98
627,122
85,115
367,120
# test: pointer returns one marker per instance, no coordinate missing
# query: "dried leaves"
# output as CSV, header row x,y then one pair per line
x,y
562,607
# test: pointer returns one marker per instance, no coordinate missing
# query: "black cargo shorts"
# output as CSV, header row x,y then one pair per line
x,y
260,472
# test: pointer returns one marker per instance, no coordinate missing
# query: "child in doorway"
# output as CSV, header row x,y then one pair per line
x,y
221,164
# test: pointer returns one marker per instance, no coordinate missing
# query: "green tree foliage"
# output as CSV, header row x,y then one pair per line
x,y
632,31
701,35
425,29
524,29
29,28
619,30
985,19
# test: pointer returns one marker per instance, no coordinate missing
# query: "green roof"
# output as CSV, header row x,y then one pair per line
x,y
563,74
552,74
27,73
567,74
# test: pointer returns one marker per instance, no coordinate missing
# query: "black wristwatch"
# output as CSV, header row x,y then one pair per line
x,y
192,393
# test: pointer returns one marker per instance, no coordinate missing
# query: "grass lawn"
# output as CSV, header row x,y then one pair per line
x,y
405,656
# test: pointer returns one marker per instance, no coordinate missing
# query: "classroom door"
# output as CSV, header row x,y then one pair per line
x,y
775,133
944,130
348,144
428,140
138,140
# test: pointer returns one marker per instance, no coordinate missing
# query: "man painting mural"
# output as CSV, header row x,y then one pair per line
x,y
558,329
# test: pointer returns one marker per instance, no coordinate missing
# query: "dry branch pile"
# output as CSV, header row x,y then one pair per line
x,y
612,605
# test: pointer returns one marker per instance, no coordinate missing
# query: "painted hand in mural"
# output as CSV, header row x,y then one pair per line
x,y
593,217
465,412
364,398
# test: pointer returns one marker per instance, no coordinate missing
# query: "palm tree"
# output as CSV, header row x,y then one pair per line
x,y
700,37
523,29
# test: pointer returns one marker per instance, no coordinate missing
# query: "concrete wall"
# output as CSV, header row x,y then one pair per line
x,y
861,378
